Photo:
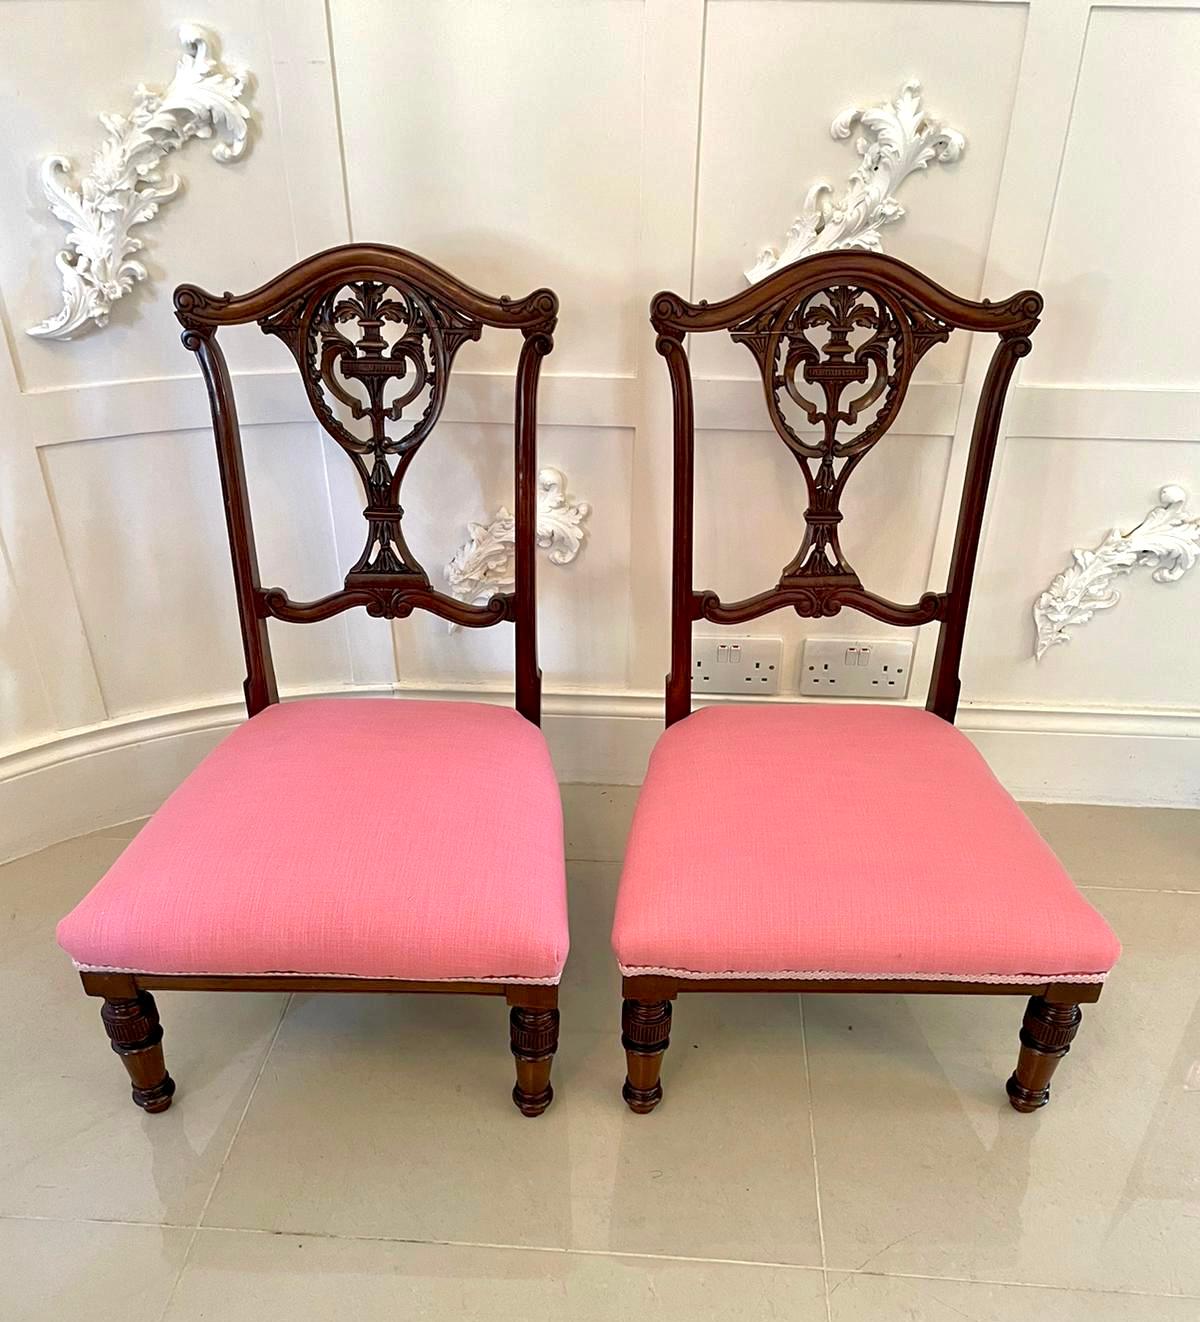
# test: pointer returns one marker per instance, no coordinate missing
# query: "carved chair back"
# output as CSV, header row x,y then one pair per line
x,y
374,331
836,337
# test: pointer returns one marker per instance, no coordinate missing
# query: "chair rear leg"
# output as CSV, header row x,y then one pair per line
x,y
645,1035
1046,1036
136,1035
533,1030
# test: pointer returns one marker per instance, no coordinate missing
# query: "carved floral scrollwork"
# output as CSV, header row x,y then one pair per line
x,y
812,600
125,185
1167,541
898,138
834,358
374,354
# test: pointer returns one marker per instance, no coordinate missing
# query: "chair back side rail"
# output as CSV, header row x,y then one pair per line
x,y
679,681
260,686
945,682
528,673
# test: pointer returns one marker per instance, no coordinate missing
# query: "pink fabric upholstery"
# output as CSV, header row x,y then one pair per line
x,y
370,837
842,840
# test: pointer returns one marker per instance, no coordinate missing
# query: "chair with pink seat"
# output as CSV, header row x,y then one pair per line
x,y
342,844
825,847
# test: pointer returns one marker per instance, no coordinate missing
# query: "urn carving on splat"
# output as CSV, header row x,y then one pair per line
x,y
375,357
836,360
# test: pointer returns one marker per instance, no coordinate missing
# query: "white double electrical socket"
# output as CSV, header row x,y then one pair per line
x,y
747,666
855,668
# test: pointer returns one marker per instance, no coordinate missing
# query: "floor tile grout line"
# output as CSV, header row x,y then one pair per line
x,y
585,1252
566,1250
577,1251
237,1129
287,1005
1011,1285
187,1255
95,1221
812,1139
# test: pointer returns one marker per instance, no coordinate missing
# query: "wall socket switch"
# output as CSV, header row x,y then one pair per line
x,y
855,668
748,666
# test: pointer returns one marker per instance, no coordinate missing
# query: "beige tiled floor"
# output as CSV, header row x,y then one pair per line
x,y
839,1159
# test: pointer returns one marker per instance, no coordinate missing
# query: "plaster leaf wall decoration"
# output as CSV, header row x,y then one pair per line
x,y
126,184
487,563
898,137
1167,541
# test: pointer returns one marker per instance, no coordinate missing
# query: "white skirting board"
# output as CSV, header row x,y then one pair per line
x,y
106,774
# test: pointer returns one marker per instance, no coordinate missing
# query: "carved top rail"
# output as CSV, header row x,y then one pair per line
x,y
374,331
836,337
197,309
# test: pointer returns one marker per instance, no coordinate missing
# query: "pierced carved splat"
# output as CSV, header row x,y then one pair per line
x,y
374,331
836,336
375,356
836,362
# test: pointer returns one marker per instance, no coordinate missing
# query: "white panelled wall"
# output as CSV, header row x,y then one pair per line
x,y
606,148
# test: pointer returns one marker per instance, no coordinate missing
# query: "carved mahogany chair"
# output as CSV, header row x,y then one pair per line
x,y
826,847
336,844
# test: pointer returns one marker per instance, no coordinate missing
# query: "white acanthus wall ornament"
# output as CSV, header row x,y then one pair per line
x,y
898,138
1166,541
125,184
487,563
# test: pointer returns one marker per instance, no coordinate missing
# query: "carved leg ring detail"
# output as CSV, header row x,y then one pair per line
x,y
534,1035
136,1036
1046,1036
645,1035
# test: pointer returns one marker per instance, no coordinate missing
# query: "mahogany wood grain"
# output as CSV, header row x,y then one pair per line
x,y
136,1035
1048,1030
533,1033
645,1035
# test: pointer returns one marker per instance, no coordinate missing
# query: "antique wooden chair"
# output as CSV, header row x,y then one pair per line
x,y
829,847
365,845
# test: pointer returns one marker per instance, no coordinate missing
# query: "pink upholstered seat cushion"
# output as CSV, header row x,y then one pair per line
x,y
862,841
377,838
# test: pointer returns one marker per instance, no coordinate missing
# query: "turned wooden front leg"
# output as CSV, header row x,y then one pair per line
x,y
645,1035
1046,1036
534,1035
136,1035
